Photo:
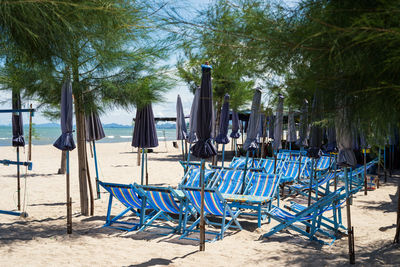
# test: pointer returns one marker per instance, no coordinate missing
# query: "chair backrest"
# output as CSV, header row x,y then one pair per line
x,y
263,185
229,181
240,162
292,169
192,177
324,162
267,165
161,198
213,201
126,194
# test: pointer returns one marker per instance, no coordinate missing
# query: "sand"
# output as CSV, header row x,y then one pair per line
x,y
41,239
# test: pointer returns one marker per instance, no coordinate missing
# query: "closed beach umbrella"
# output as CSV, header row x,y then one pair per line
x,y
271,126
222,137
94,132
303,125
204,147
66,141
316,133
181,131
235,125
346,158
144,134
18,136
291,135
250,144
193,117
278,125
94,128
17,124
260,130
331,136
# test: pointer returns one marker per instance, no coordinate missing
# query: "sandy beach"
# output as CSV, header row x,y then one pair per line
x,y
41,239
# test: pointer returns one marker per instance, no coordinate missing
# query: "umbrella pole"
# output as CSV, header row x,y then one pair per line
x,y
142,176
350,230
223,155
183,150
275,158
310,189
245,171
69,200
188,158
96,168
235,140
30,135
384,163
138,156
147,172
365,172
18,181
202,222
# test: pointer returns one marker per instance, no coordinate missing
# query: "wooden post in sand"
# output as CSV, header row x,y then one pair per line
x,y
138,156
202,222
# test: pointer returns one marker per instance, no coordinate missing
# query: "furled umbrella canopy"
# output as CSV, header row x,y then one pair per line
x,y
271,124
94,128
278,125
144,132
17,123
260,131
222,137
303,125
235,125
251,140
181,131
204,147
66,140
193,117
331,136
291,135
346,157
316,134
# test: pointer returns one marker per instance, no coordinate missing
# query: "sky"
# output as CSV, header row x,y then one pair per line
x,y
166,108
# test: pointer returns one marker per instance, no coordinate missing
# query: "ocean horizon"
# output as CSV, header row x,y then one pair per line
x,y
43,135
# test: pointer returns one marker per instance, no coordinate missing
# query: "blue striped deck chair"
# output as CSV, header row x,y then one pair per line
x,y
214,205
259,194
291,171
192,177
228,181
127,195
267,165
165,201
240,162
310,216
324,163
192,164
320,187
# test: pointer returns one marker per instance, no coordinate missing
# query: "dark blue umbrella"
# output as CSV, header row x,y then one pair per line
x,y
346,159
331,136
18,136
235,125
181,131
278,125
316,134
235,129
204,147
17,123
291,133
222,137
94,132
144,134
250,144
303,125
271,126
66,141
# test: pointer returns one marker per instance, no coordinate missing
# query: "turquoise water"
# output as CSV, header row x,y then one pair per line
x,y
47,135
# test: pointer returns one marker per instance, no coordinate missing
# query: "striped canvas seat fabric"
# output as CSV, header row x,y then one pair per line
x,y
263,185
194,177
231,181
212,203
164,201
125,194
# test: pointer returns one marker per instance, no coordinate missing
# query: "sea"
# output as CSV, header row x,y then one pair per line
x,y
48,135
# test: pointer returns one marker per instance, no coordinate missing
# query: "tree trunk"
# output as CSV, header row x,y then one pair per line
x,y
397,235
61,170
